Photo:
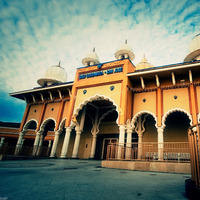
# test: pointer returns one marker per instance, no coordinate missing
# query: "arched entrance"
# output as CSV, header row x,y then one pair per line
x,y
175,136
25,143
144,136
29,127
96,126
176,127
42,146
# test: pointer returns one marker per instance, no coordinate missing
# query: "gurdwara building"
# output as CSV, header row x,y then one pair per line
x,y
115,111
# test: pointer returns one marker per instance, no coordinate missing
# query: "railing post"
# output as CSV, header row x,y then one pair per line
x,y
160,143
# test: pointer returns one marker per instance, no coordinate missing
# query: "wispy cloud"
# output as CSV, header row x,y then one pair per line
x,y
37,34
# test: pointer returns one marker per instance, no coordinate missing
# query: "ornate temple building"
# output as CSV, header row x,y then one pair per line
x,y
114,111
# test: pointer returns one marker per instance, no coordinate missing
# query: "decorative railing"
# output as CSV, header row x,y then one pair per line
x,y
150,151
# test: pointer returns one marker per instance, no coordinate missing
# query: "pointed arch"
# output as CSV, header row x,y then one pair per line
x,y
176,110
96,97
44,123
144,112
25,128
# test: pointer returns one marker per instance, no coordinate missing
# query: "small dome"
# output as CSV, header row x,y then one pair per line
x,y
91,59
54,74
194,49
125,51
143,64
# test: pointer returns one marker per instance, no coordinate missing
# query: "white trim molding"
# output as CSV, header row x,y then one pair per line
x,y
96,97
44,123
25,128
175,110
134,119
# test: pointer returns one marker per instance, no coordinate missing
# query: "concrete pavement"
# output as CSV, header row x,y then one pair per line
x,y
84,179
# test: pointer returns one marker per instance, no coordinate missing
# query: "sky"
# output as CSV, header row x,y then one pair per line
x,y
35,35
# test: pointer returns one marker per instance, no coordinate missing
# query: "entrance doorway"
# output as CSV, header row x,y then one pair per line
x,y
106,142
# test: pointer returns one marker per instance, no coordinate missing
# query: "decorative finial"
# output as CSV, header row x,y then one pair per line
x,y
59,63
126,41
144,55
94,49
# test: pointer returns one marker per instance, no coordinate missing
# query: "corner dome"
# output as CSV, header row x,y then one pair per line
x,y
124,51
54,74
91,59
194,49
143,64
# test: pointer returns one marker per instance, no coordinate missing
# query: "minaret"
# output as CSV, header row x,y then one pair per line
x,y
91,59
194,49
54,74
125,51
143,64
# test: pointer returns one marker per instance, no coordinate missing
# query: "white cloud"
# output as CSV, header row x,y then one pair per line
x,y
39,34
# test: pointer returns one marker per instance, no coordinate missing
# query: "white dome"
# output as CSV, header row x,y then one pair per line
x,y
144,64
91,59
125,51
54,74
194,49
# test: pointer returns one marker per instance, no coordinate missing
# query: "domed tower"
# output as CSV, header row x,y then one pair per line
x,y
125,51
91,59
54,74
144,64
194,49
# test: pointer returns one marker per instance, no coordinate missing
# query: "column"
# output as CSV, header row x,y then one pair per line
x,y
129,143
19,144
36,143
55,144
121,141
76,143
160,143
49,146
66,143
94,131
140,146
39,151
2,143
93,148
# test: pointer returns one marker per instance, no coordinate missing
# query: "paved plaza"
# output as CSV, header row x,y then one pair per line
x,y
55,179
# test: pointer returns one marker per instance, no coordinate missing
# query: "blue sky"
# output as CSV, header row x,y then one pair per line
x,y
37,34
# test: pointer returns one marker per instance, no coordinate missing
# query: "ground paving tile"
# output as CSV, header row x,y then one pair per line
x,y
69,179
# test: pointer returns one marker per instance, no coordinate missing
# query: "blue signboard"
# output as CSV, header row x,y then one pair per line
x,y
101,73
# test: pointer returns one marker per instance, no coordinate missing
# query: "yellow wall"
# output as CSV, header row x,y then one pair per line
x,y
108,128
182,100
101,90
150,134
149,104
